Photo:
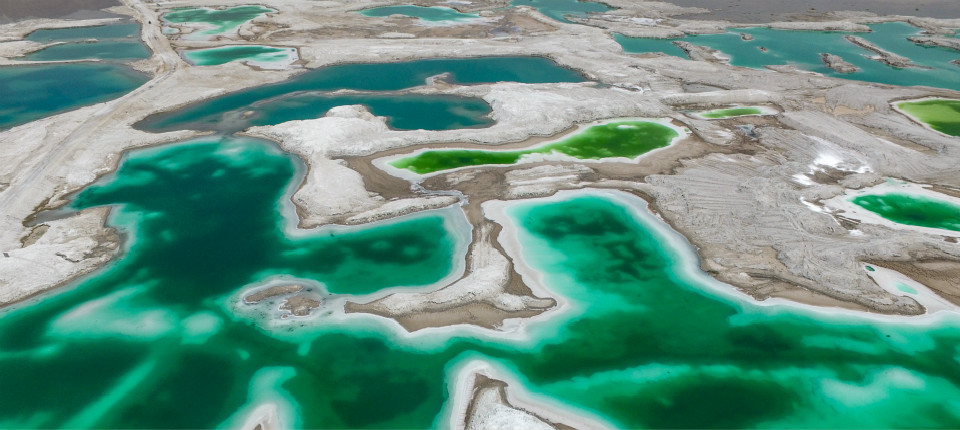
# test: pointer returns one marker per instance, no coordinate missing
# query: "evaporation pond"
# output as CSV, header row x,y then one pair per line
x,y
156,340
308,95
914,210
803,48
103,42
732,112
216,21
433,13
942,115
560,9
99,32
35,91
252,53
628,139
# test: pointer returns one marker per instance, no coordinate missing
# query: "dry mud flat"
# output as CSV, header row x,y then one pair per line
x,y
747,192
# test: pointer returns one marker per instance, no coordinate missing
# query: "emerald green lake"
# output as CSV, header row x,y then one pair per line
x,y
226,54
942,115
912,210
649,341
731,113
36,91
628,139
560,9
222,21
803,48
307,96
432,14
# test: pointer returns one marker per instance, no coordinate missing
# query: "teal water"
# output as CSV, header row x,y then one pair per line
x,y
152,341
906,288
113,42
36,91
560,9
803,48
432,14
644,44
222,20
307,96
94,50
111,31
226,54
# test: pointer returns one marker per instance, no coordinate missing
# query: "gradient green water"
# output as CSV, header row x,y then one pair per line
x,y
731,113
616,139
433,14
226,54
152,341
560,9
912,210
942,115
222,20
36,91
803,49
307,96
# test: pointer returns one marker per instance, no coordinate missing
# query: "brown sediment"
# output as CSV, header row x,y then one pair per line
x,y
475,313
943,189
301,305
35,234
275,291
940,275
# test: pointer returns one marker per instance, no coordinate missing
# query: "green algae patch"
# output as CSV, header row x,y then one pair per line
x,y
942,115
912,210
251,53
222,20
732,112
432,14
628,139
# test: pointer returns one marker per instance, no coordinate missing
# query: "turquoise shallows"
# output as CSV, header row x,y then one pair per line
x,y
432,14
226,54
915,210
307,96
637,45
152,340
36,91
99,32
803,49
108,50
222,20
560,9
906,288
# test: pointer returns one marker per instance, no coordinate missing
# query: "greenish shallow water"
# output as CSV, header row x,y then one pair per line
x,y
803,49
152,341
942,115
731,113
226,54
912,210
628,139
307,96
559,9
433,14
222,20
906,288
36,91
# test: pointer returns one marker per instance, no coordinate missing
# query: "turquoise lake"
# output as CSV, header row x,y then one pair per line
x,y
37,91
803,48
155,340
112,42
431,14
560,9
226,54
307,96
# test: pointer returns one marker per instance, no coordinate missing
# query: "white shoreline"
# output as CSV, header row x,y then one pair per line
x,y
896,107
